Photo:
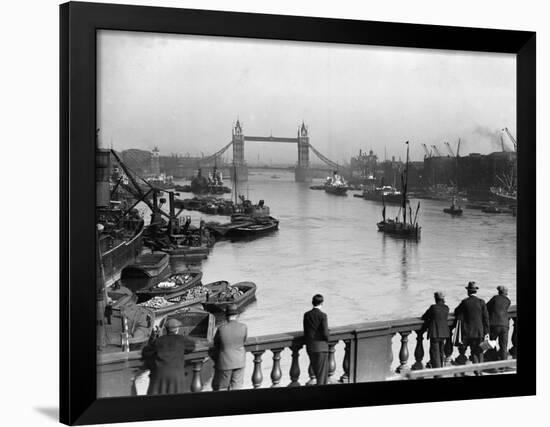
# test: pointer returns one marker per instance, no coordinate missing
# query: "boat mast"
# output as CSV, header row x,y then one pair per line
x,y
405,181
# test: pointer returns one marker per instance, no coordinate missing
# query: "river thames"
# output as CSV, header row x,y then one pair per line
x,y
330,245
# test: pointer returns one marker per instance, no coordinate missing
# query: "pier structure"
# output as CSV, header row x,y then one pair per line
x,y
371,353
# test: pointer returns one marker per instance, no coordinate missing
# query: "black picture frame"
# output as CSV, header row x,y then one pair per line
x,y
78,25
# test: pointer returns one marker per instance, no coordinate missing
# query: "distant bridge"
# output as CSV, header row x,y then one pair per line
x,y
302,170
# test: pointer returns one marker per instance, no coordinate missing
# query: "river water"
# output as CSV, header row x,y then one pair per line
x,y
330,245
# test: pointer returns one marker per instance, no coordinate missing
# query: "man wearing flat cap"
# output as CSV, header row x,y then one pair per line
x,y
472,312
165,358
228,352
436,322
499,320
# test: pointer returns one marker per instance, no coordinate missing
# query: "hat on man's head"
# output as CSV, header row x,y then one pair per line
x,y
172,324
439,295
472,286
502,289
231,310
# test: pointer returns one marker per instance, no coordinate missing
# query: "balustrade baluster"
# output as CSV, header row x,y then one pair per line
x,y
403,353
276,373
449,348
196,381
312,380
418,351
331,361
295,366
257,376
345,364
514,350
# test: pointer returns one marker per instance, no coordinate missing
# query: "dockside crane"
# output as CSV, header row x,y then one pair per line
x,y
511,138
436,151
449,149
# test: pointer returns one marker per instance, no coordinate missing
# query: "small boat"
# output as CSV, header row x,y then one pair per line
x,y
196,295
397,228
147,265
491,209
173,286
259,227
454,209
400,229
240,294
275,176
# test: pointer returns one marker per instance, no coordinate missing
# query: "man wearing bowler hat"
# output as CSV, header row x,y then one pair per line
x,y
228,352
499,320
472,312
316,336
436,322
165,358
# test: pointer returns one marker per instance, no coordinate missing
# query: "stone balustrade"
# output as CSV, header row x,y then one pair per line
x,y
368,353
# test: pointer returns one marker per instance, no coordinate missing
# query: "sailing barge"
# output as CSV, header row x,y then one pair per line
x,y
397,228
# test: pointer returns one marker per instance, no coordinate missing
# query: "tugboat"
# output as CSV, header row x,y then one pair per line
x,y
213,184
336,185
454,209
397,228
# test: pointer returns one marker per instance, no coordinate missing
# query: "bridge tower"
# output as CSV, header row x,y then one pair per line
x,y
238,153
301,173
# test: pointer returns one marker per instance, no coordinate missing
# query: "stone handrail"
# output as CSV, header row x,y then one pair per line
x,y
368,351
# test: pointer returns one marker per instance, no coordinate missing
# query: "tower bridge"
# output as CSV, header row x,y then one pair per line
x,y
302,171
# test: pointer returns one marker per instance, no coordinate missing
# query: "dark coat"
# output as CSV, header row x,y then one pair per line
x,y
316,333
472,311
436,321
228,351
498,311
165,358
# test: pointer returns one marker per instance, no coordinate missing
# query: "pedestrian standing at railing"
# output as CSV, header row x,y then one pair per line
x,y
499,320
474,318
165,358
316,335
436,322
228,352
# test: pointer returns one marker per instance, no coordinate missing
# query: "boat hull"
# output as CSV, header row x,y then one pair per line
x,y
336,190
249,295
147,265
154,291
398,229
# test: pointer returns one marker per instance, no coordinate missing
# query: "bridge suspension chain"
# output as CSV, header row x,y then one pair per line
x,y
325,159
216,154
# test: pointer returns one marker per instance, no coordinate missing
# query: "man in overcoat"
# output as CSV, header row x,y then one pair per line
x,y
436,322
473,314
228,352
499,320
165,357
316,336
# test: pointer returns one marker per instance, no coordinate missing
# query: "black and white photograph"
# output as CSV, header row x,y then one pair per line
x,y
276,213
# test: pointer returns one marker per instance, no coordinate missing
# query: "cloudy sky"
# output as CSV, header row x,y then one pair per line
x,y
183,94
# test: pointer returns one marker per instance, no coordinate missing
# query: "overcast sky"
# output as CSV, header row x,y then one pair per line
x,y
183,94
